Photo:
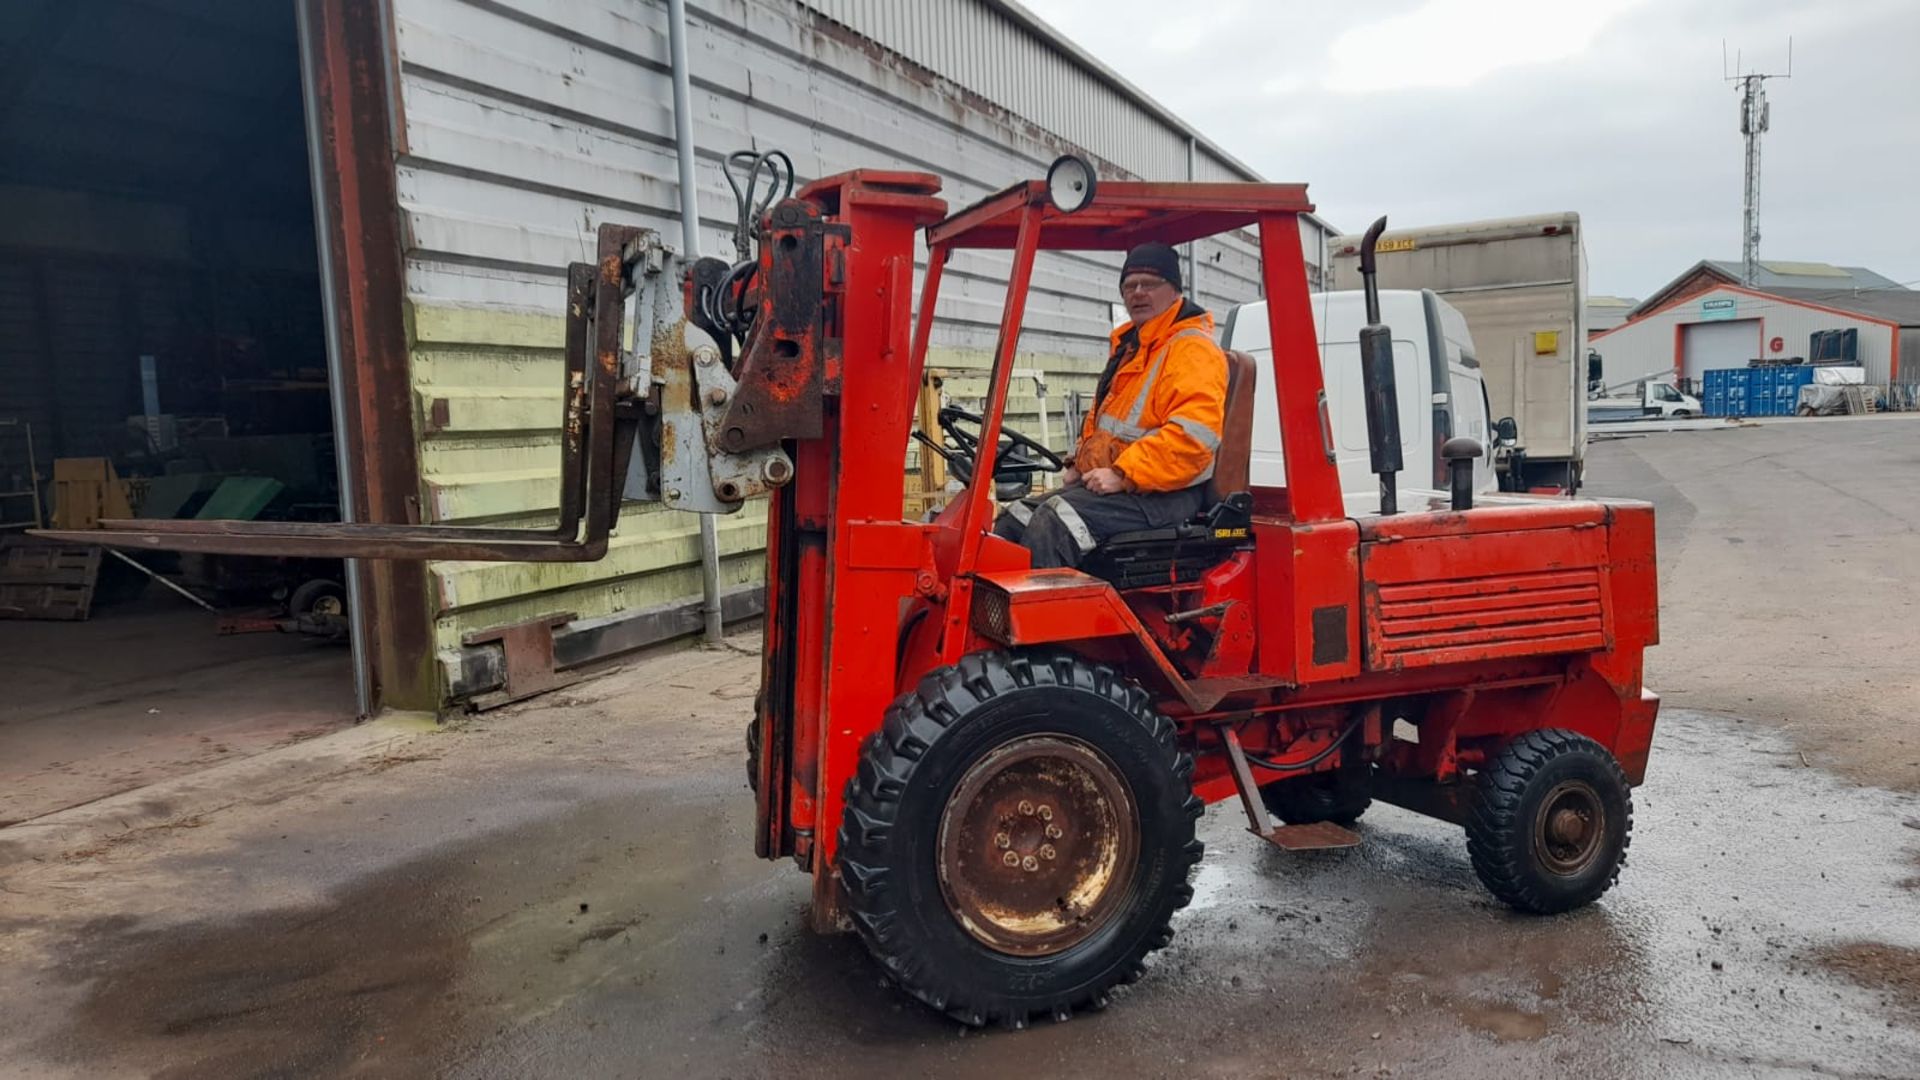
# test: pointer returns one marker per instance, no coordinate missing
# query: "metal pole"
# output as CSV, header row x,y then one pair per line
x,y
359,633
129,560
690,241
1193,248
1756,115
33,473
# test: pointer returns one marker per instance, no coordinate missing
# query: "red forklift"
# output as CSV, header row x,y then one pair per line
x,y
993,773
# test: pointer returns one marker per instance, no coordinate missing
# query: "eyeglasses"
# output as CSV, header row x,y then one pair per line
x,y
1142,285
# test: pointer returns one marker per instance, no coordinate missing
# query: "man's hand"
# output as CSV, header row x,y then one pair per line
x,y
1104,481
1069,477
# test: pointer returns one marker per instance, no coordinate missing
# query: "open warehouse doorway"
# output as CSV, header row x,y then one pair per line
x,y
163,354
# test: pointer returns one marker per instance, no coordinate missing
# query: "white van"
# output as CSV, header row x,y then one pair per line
x,y
1439,387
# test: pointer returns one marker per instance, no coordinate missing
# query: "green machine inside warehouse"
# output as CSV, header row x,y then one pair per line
x,y
163,354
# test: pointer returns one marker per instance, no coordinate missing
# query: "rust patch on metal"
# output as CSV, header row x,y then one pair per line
x,y
528,649
576,397
1570,827
782,370
1037,845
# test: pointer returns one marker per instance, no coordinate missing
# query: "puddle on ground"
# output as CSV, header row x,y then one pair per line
x,y
1889,969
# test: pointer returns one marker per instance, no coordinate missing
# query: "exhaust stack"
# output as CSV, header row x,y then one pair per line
x,y
1377,381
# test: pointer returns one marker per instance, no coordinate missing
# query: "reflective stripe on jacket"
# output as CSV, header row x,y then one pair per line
x,y
1160,420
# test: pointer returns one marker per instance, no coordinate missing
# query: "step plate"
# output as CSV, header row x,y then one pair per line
x,y
1320,836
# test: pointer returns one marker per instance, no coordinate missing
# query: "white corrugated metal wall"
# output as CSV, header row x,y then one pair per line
x,y
990,48
1647,346
527,123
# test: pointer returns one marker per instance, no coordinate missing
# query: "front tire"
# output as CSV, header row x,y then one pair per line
x,y
1018,836
1553,819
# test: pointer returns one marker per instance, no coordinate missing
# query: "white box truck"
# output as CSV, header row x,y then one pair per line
x,y
1522,285
1438,386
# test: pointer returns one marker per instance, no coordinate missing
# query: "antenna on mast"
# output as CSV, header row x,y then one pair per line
x,y
1754,120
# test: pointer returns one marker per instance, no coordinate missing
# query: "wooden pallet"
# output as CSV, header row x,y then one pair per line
x,y
47,581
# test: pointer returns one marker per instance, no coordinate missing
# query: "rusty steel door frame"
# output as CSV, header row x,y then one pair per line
x,y
351,109
349,98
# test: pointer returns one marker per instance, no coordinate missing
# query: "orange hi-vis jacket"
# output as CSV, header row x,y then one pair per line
x,y
1160,419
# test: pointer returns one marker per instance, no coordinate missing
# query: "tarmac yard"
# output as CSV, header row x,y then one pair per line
x,y
567,888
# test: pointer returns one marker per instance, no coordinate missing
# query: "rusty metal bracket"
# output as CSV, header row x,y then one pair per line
x,y
691,392
788,365
528,651
1259,823
1314,837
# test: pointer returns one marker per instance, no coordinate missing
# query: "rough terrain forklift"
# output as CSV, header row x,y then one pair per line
x,y
993,773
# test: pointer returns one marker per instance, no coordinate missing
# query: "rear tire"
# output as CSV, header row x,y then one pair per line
x,y
1552,823
1018,836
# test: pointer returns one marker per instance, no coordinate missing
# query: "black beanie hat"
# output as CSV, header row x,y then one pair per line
x,y
1154,258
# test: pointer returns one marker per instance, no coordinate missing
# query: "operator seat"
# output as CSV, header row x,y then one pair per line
x,y
1185,551
1235,456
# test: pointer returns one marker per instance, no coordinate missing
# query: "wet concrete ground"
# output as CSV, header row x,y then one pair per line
x,y
483,914
145,690
568,889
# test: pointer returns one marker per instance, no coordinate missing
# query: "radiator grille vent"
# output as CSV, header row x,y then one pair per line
x,y
1441,622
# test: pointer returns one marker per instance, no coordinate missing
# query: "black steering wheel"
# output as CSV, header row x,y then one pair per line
x,y
1018,459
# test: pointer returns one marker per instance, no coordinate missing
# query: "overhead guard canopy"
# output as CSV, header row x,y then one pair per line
x,y
1122,214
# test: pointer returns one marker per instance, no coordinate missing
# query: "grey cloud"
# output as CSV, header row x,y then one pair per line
x,y
1637,132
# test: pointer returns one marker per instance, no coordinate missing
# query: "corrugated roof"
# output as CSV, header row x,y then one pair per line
x,y
1896,304
1776,273
1611,301
1007,54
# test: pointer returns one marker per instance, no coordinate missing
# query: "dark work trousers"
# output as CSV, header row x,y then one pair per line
x,y
1062,525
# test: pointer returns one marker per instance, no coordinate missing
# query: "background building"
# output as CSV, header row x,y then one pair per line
x,y
1607,312
1704,320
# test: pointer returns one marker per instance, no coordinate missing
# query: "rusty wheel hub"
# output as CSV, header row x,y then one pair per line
x,y
1571,827
1037,845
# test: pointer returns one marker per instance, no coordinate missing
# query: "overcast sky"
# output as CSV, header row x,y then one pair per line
x,y
1434,111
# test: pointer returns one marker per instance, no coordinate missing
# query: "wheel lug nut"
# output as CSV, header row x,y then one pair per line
x,y
1046,813
1003,841
1029,863
1053,832
1046,851
1011,858
1026,807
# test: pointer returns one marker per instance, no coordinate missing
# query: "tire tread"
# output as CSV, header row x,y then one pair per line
x,y
909,733
1495,833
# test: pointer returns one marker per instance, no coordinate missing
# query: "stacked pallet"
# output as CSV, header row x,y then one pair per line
x,y
47,581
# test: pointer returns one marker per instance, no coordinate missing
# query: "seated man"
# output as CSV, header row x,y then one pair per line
x,y
1146,448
